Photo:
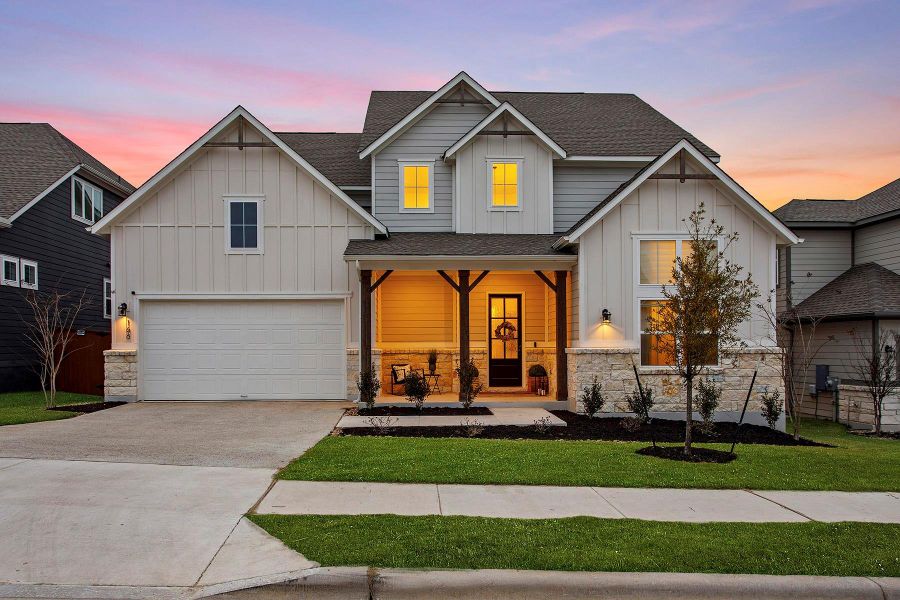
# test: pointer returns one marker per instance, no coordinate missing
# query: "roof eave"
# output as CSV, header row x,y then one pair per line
x,y
506,107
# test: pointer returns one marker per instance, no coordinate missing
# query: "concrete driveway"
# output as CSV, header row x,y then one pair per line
x,y
149,495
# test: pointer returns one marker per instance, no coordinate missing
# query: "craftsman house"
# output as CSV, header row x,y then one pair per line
x,y
846,273
516,228
51,192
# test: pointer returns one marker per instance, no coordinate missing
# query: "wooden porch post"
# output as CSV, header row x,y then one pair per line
x,y
463,317
562,387
365,320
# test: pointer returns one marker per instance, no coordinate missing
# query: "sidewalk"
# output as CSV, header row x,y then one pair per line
x,y
545,502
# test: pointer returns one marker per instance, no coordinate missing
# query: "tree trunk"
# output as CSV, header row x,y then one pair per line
x,y
877,417
689,414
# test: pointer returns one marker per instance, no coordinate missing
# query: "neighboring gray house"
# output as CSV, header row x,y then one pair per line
x,y
515,228
847,270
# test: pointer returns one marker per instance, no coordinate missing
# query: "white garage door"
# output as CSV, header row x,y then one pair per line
x,y
233,350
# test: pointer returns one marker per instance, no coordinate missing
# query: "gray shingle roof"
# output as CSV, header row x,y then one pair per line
x,y
583,124
457,244
335,155
864,290
35,155
883,200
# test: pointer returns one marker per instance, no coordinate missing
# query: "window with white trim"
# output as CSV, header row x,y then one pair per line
x,y
87,201
9,270
29,274
107,298
416,186
243,224
505,177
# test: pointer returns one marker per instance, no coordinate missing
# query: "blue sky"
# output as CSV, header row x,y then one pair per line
x,y
801,98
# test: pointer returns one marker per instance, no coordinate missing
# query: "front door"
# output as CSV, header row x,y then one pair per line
x,y
505,335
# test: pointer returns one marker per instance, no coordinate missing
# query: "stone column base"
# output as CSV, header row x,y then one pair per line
x,y
120,375
353,370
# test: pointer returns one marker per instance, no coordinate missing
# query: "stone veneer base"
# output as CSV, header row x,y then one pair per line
x,y
120,375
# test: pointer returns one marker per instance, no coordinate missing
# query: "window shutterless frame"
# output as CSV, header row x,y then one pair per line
x,y
254,199
28,274
9,270
107,298
401,185
491,163
87,201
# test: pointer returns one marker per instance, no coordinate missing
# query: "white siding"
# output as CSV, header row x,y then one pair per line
x,y
607,264
823,255
173,241
426,140
576,190
879,244
535,211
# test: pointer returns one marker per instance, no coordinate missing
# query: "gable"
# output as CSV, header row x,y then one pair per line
x,y
498,121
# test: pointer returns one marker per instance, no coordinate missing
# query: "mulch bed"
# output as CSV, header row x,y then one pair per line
x,y
87,408
698,455
412,411
581,427
884,435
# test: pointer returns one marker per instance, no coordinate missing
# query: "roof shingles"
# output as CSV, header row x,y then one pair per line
x,y
457,244
864,290
884,200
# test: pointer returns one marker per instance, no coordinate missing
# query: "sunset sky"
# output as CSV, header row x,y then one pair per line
x,y
800,97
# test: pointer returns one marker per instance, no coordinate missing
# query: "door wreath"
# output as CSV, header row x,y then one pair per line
x,y
505,331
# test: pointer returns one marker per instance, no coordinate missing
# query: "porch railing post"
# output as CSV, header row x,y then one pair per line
x,y
463,319
562,387
365,320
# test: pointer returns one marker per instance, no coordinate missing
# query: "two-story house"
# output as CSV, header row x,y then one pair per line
x,y
515,228
51,192
846,277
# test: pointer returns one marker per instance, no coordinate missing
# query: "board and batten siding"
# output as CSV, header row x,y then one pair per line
x,y
173,241
823,255
607,262
880,244
576,190
426,140
474,178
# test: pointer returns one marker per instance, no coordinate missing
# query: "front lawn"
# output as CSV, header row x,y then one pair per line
x,y
28,407
856,464
589,544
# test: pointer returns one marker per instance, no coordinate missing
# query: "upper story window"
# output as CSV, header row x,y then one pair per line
x,y
18,272
87,201
243,225
504,184
9,270
29,274
416,187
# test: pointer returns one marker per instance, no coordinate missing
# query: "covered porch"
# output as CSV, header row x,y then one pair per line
x,y
506,312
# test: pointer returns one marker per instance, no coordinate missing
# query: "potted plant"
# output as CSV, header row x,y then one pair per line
x,y
432,361
537,379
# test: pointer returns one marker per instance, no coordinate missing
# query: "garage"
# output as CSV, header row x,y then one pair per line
x,y
242,350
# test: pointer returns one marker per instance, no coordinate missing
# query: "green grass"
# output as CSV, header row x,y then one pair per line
x,y
856,464
589,544
28,407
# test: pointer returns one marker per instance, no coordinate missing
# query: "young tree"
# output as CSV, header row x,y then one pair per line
x,y
703,306
876,367
49,331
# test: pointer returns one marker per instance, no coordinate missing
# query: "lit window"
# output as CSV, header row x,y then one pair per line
x,y
10,271
504,184
655,347
416,187
243,225
87,201
657,260
107,298
29,274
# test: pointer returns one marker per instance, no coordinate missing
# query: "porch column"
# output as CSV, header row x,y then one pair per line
x,y
562,388
365,320
463,317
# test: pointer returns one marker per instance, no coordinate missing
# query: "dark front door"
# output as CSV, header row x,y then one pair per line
x,y
505,335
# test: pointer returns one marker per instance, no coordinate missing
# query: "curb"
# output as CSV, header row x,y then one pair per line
x,y
398,584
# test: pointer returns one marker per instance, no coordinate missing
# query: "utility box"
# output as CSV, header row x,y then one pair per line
x,y
822,378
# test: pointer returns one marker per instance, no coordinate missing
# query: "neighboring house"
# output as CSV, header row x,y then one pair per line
x,y
847,270
51,192
497,225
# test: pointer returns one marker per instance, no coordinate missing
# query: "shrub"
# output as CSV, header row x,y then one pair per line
x,y
368,384
472,426
537,371
542,425
469,386
592,398
640,404
381,425
416,388
708,395
771,407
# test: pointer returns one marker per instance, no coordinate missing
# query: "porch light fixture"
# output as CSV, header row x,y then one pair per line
x,y
123,309
606,315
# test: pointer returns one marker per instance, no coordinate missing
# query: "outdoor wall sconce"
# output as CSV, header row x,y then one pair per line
x,y
606,315
123,309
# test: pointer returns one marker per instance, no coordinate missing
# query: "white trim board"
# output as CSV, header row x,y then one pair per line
x,y
151,184
706,163
506,107
420,110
